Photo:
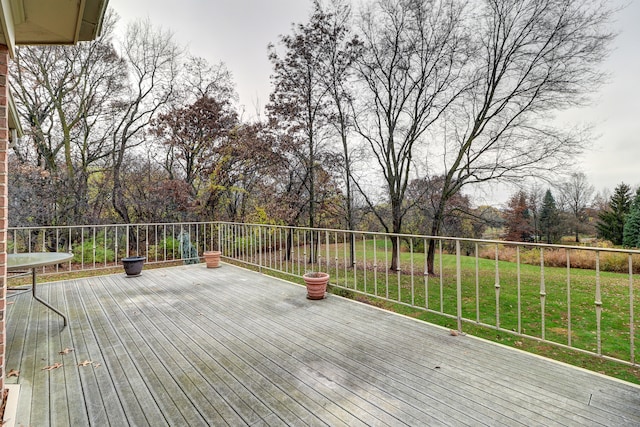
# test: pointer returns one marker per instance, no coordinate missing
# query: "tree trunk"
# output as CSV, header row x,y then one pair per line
x,y
395,241
438,218
289,245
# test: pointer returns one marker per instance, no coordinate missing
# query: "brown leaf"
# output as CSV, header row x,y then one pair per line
x,y
13,373
54,366
66,351
85,363
518,343
453,333
96,365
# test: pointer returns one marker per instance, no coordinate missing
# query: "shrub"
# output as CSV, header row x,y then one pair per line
x,y
84,253
609,261
168,245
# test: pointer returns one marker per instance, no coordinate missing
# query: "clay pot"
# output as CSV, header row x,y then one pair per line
x,y
316,284
133,265
212,258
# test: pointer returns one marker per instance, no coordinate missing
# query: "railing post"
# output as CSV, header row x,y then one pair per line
x,y
631,317
497,287
598,304
260,248
543,295
127,241
459,285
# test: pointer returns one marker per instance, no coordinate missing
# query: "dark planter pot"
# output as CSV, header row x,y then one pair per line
x,y
133,265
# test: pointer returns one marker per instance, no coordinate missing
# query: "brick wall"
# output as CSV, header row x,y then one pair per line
x,y
4,217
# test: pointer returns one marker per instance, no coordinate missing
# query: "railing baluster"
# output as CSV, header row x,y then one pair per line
x,y
497,289
598,304
328,259
568,297
441,277
413,298
398,268
298,246
477,285
280,252
386,265
543,295
355,264
426,273
375,266
519,289
631,317
364,261
459,285
94,247
344,257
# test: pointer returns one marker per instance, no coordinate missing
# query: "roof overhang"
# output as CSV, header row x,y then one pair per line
x,y
43,22
38,22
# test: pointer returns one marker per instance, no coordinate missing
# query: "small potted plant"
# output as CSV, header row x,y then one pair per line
x,y
316,284
133,265
212,258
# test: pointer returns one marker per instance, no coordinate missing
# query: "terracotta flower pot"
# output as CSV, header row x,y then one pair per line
x,y
316,284
212,258
133,265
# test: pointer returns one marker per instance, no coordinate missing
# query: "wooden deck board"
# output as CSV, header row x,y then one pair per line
x,y
196,346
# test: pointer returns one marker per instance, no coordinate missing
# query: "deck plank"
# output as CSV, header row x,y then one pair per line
x,y
195,346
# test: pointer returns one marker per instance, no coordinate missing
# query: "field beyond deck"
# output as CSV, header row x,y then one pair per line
x,y
196,346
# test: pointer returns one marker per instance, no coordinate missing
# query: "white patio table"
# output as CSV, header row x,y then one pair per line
x,y
34,260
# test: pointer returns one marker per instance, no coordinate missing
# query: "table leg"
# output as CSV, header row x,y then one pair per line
x,y
33,293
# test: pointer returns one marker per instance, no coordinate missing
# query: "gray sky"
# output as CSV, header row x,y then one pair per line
x,y
237,32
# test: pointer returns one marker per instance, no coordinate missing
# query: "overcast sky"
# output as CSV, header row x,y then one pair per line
x,y
237,32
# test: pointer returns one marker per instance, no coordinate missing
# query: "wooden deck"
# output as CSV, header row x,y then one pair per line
x,y
196,346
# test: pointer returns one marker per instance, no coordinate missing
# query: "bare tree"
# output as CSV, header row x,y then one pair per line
x,y
152,59
341,50
414,52
576,195
299,100
64,94
533,58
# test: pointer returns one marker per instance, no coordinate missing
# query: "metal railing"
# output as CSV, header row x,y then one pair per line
x,y
103,246
582,298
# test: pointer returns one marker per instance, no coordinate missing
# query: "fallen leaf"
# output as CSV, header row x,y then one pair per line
x,y
453,333
85,363
54,366
518,343
13,373
96,365
66,351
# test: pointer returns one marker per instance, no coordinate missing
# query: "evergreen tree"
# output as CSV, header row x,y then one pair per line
x,y
549,218
611,221
631,233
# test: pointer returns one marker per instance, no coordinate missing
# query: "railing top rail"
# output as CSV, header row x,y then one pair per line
x,y
53,227
453,239
333,230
